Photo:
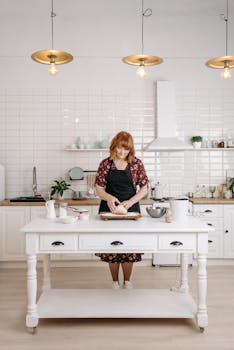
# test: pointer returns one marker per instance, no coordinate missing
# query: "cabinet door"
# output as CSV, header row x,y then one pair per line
x,y
12,240
228,231
38,212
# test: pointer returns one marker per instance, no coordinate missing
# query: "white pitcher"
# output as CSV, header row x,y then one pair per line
x,y
50,209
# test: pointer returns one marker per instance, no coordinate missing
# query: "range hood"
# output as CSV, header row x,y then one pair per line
x,y
165,121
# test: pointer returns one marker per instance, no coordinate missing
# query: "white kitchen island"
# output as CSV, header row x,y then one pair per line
x,y
148,235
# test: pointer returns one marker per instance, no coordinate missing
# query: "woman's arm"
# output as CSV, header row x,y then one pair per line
x,y
111,200
136,198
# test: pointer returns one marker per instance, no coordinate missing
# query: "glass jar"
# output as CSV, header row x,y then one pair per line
x,y
63,210
168,216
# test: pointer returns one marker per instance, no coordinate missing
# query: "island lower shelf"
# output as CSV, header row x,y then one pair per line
x,y
109,303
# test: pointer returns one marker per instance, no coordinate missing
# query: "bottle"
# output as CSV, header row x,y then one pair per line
x,y
158,191
203,191
229,142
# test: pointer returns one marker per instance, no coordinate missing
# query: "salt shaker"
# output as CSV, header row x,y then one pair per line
x,y
63,210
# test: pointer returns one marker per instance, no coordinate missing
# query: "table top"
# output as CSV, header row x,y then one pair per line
x,y
145,224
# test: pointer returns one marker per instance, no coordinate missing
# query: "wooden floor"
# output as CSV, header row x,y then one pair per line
x,y
132,334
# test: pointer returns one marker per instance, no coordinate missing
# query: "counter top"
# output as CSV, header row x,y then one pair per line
x,y
211,201
95,224
94,201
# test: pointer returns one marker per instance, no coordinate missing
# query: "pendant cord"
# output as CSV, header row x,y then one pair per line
x,y
146,13
226,22
52,23
142,27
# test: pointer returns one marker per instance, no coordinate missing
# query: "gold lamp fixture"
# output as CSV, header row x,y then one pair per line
x,y
52,57
142,60
223,62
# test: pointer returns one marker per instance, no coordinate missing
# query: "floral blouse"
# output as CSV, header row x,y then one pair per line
x,y
139,176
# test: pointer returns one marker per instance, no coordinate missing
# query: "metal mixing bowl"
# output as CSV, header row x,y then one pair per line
x,y
156,212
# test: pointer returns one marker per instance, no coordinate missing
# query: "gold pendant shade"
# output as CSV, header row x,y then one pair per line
x,y
145,60
52,56
220,62
223,62
142,60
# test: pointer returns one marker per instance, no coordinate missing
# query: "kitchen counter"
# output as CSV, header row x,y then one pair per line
x,y
211,201
94,201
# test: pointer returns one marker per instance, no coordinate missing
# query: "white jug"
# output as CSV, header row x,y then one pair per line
x,y
50,209
179,208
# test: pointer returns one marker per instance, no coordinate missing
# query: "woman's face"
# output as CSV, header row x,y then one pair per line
x,y
121,153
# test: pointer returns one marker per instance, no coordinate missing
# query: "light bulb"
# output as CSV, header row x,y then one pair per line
x,y
52,68
141,72
226,73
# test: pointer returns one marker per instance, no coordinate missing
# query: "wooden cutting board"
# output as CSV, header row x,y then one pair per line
x,y
128,216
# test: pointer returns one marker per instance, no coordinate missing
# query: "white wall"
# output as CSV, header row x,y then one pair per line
x,y
105,93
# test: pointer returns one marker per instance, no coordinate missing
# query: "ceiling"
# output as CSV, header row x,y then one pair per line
x,y
110,28
98,33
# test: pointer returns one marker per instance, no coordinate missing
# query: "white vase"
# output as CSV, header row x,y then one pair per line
x,y
197,144
60,198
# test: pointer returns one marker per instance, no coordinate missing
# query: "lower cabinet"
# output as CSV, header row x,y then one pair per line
x,y
221,217
12,241
228,232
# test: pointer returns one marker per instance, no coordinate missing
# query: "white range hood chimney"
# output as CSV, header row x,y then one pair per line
x,y
165,123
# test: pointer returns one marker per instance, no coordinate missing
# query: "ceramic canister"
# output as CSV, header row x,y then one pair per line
x,y
179,208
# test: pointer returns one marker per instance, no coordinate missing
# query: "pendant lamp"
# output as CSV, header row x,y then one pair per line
x,y
52,57
142,60
223,62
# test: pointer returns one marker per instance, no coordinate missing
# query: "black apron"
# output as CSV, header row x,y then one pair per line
x,y
120,185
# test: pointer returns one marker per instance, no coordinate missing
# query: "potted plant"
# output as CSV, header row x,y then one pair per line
x,y
196,141
59,187
231,184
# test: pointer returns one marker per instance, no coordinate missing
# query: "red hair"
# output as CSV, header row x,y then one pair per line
x,y
123,140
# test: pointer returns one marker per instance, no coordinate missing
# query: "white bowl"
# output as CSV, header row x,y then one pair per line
x,y
68,220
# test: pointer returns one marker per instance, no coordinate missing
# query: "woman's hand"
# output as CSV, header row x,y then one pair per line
x,y
127,204
111,203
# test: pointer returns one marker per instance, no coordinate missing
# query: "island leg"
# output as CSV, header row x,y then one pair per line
x,y
202,316
32,316
46,273
183,287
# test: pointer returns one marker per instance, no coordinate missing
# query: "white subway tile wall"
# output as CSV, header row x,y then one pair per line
x,y
37,125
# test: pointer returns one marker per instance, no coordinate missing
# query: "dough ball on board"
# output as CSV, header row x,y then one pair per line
x,y
120,210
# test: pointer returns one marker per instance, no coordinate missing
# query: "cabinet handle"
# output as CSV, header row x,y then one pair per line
x,y
208,223
176,243
57,243
210,241
207,211
226,231
116,243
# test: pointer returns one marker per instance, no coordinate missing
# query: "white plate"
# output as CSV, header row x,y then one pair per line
x,y
68,220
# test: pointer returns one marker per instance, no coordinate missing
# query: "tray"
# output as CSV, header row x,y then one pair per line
x,y
128,216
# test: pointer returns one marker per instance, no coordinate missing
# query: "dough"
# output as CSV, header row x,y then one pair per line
x,y
120,210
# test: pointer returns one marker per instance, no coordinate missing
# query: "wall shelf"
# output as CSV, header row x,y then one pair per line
x,y
87,150
156,150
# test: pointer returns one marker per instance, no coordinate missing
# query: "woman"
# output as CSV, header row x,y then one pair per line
x,y
118,177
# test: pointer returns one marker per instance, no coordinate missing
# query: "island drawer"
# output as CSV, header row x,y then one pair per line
x,y
58,242
208,210
116,242
176,242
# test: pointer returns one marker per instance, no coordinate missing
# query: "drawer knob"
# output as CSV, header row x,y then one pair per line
x,y
209,224
226,231
176,243
210,241
55,243
208,211
116,243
